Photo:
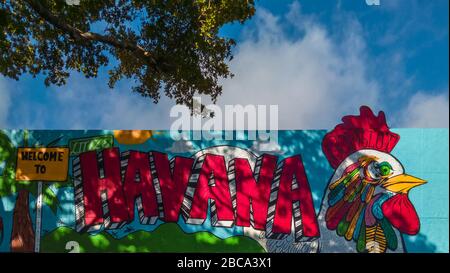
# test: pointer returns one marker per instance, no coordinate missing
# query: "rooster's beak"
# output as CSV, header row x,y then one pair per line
x,y
402,183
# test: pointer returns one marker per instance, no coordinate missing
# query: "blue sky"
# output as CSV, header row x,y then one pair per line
x,y
317,59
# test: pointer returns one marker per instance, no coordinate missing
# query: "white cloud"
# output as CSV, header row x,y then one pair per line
x,y
314,78
90,104
426,111
5,103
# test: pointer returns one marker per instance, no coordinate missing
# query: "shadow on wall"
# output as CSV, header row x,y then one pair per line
x,y
419,244
309,145
1,223
291,142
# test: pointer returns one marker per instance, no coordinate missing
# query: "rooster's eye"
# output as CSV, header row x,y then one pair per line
x,y
384,168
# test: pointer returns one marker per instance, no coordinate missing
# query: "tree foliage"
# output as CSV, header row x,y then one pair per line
x,y
163,45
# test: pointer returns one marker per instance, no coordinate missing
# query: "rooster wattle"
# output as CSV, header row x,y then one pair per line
x,y
366,202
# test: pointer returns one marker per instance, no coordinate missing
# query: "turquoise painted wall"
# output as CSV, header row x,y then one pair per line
x,y
425,154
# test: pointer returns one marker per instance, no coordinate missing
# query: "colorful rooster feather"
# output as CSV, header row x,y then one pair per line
x,y
355,212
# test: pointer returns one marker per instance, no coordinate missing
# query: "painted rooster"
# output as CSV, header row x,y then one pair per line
x,y
366,202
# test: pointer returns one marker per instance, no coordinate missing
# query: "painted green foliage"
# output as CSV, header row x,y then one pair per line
x,y
8,159
9,185
166,238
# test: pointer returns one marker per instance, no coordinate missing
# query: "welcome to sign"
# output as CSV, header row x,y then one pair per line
x,y
343,190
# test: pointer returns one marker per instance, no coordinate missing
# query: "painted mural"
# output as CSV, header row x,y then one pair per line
x,y
140,191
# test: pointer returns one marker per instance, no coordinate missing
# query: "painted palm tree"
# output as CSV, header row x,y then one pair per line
x,y
7,161
22,236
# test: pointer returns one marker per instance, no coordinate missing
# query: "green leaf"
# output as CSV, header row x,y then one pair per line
x,y
391,237
64,184
49,198
361,244
342,227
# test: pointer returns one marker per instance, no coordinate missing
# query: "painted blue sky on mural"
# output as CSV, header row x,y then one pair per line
x,y
323,59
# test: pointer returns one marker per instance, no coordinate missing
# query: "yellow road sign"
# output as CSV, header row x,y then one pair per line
x,y
42,164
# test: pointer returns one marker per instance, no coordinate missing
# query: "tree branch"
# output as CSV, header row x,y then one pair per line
x,y
78,34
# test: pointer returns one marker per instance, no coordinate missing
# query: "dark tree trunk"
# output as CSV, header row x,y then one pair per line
x,y
22,237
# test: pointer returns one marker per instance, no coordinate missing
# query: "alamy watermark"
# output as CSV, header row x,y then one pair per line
x,y
233,122
373,2
73,2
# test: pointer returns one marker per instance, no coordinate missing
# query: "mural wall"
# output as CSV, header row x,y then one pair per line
x,y
360,187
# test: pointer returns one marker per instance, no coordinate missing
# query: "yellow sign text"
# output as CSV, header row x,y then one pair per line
x,y
42,164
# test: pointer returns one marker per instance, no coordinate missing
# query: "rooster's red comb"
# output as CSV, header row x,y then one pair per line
x,y
365,131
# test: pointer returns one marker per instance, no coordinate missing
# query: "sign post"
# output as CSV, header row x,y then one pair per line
x,y
37,239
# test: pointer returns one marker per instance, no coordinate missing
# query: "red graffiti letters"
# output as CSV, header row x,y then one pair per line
x,y
110,187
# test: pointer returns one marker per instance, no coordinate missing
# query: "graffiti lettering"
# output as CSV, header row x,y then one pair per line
x,y
109,186
253,192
